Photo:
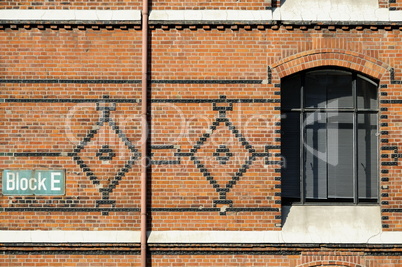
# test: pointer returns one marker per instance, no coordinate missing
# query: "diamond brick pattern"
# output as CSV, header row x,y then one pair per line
x,y
105,155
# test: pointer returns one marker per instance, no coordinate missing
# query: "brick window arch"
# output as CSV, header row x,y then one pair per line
x,y
332,263
362,63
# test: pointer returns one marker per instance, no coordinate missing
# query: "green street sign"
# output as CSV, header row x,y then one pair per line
x,y
39,182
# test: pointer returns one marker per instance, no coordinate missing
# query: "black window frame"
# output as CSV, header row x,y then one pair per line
x,y
301,110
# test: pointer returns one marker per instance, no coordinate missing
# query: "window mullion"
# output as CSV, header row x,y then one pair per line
x,y
355,146
301,150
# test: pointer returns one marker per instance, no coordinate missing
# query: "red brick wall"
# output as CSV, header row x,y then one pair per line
x,y
56,82
213,4
395,5
186,55
60,126
307,259
157,5
135,4
71,54
383,3
73,4
176,55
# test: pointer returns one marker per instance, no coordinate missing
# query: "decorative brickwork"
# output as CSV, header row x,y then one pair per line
x,y
334,57
236,116
395,5
70,99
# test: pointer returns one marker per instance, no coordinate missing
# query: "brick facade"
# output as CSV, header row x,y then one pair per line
x,y
395,5
160,5
136,4
126,258
70,94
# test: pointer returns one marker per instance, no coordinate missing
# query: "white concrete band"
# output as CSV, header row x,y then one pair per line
x,y
297,12
267,237
303,224
69,15
58,236
192,237
335,10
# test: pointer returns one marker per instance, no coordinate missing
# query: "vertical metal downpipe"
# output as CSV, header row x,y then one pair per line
x,y
144,132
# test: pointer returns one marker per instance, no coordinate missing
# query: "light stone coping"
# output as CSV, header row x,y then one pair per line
x,y
228,237
331,224
196,237
70,15
395,15
303,224
374,15
58,236
333,10
298,11
267,237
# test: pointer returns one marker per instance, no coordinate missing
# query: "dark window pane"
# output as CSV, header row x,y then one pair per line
x,y
367,156
340,90
291,154
366,93
315,90
315,147
290,93
340,155
328,89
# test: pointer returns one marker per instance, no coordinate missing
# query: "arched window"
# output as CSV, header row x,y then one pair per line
x,y
329,137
